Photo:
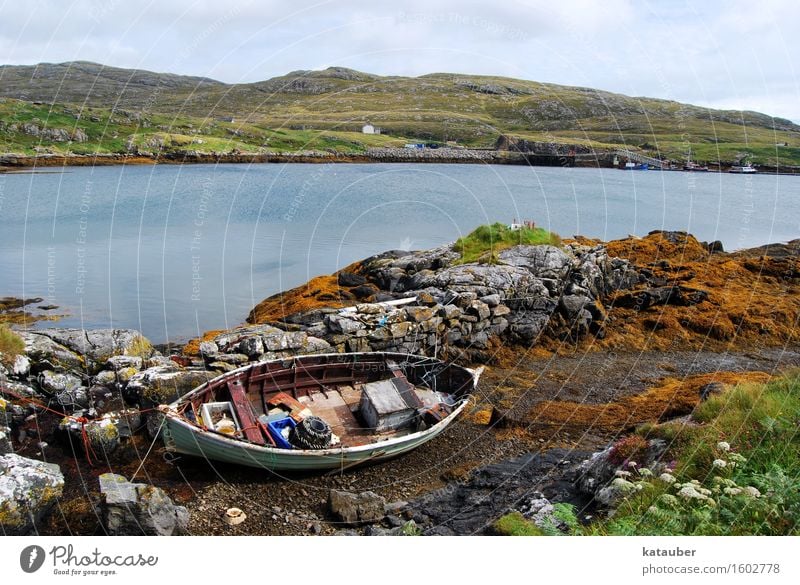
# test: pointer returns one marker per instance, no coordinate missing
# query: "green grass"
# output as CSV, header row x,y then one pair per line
x,y
164,133
327,110
11,345
485,242
515,524
760,423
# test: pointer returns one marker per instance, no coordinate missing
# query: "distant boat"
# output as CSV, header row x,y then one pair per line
x,y
314,412
743,169
632,166
694,167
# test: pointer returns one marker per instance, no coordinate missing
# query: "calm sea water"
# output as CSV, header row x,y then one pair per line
x,y
174,251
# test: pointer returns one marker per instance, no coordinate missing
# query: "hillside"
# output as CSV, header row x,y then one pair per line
x,y
86,107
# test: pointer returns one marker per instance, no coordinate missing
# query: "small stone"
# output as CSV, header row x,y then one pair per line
x,y
54,383
491,300
711,389
21,366
208,348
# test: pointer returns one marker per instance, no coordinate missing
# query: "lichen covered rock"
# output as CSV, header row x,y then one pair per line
x,y
131,509
28,489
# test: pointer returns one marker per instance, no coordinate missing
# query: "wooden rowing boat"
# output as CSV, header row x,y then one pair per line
x,y
319,412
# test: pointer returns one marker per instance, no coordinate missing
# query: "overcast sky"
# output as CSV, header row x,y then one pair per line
x,y
734,54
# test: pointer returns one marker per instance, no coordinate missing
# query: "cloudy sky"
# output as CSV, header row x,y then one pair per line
x,y
734,54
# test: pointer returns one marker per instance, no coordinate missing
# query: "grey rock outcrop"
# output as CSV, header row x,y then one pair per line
x,y
139,509
163,384
5,440
28,489
354,509
105,433
456,309
82,351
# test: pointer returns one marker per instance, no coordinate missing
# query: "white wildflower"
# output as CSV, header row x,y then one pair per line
x,y
620,473
667,478
623,485
689,492
751,491
644,472
732,491
721,463
669,500
723,446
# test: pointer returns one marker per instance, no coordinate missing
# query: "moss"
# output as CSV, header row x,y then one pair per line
x,y
10,516
515,524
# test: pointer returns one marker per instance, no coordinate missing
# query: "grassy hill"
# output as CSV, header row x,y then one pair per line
x,y
120,109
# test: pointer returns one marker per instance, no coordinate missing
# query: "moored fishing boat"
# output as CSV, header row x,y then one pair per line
x,y
319,411
744,169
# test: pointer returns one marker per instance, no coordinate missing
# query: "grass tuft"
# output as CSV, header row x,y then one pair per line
x,y
486,241
11,345
515,524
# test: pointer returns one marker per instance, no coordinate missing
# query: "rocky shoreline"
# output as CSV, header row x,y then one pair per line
x,y
583,342
12,162
16,163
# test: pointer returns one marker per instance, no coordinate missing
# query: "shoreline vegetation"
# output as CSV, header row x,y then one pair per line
x,y
13,163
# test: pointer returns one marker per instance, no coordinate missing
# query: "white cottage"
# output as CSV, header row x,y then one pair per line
x,y
369,129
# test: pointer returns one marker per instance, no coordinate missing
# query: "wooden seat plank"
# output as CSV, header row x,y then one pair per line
x,y
244,410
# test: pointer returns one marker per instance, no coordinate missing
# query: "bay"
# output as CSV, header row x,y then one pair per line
x,y
177,250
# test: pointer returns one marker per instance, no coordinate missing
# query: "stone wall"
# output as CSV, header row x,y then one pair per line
x,y
454,309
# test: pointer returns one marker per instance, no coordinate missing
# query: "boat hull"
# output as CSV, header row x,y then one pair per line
x,y
182,437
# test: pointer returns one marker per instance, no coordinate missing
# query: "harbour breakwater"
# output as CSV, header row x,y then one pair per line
x,y
10,162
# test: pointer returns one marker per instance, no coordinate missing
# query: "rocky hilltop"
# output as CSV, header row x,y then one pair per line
x,y
584,341
51,111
